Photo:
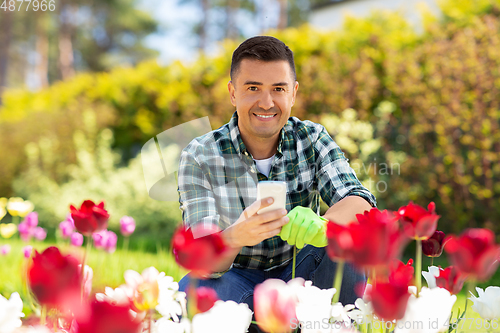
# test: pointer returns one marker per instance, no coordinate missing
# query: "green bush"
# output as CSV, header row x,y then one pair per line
x,y
97,176
441,88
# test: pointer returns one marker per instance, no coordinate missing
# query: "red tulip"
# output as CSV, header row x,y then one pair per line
x,y
389,299
339,241
418,223
198,254
400,272
433,247
374,241
108,318
90,217
450,279
54,278
474,253
205,298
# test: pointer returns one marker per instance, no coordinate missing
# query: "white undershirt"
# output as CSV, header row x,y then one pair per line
x,y
264,166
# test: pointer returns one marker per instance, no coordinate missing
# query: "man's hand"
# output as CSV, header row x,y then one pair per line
x,y
305,227
251,229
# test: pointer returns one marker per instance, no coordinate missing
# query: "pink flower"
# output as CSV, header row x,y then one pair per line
x,y
106,240
67,226
76,239
31,219
127,225
27,251
5,249
275,302
39,233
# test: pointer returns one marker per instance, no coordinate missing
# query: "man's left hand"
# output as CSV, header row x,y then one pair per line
x,y
305,227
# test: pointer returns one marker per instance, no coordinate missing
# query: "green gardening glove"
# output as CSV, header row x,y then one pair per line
x,y
305,227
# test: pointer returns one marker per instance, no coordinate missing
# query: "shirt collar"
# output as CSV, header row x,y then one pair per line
x,y
235,135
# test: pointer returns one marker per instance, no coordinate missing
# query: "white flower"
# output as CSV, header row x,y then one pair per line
x,y
223,317
10,313
171,300
487,304
428,313
164,325
33,329
118,296
431,276
363,312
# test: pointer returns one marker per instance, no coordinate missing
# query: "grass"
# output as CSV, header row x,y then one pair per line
x,y
108,268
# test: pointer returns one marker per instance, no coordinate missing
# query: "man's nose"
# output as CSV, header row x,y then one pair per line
x,y
266,101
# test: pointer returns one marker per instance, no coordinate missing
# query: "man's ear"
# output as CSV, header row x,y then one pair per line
x,y
295,88
231,89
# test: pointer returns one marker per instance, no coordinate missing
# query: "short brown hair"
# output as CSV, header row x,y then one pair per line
x,y
265,48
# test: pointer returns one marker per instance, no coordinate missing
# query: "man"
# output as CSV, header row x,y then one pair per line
x,y
219,171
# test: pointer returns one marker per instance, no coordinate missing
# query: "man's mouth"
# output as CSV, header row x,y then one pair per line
x,y
265,116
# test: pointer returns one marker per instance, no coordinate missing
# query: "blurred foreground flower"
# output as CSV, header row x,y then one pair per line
x,y
171,301
127,226
54,278
19,207
389,299
314,304
474,253
11,312
430,312
7,230
224,317
371,243
417,222
275,302
145,288
90,217
487,302
105,318
105,240
88,275
198,254
204,298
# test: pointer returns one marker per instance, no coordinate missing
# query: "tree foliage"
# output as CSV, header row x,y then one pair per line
x,y
432,100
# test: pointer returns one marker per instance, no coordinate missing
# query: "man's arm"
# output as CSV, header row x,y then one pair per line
x,y
344,211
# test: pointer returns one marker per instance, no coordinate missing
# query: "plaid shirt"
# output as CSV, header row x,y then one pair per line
x,y
218,180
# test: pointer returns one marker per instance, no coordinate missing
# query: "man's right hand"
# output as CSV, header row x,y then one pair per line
x,y
252,228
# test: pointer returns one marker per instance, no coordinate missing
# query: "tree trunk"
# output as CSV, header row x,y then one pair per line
x,y
231,28
66,32
203,28
42,50
5,38
283,19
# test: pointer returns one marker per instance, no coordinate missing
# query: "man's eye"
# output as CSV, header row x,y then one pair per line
x,y
279,89
252,88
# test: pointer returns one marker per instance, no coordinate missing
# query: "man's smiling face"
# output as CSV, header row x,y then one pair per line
x,y
263,93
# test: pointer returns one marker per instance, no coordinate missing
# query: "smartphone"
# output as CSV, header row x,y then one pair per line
x,y
274,189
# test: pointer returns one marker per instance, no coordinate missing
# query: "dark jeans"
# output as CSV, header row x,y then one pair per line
x,y
312,264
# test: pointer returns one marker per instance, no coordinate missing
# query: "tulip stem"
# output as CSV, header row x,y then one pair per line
x,y
15,220
82,271
337,282
125,245
43,316
294,261
418,266
432,261
191,296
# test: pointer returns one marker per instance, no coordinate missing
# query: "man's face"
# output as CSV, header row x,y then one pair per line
x,y
263,93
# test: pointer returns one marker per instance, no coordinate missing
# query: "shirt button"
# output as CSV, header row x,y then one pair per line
x,y
252,170
271,261
246,153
